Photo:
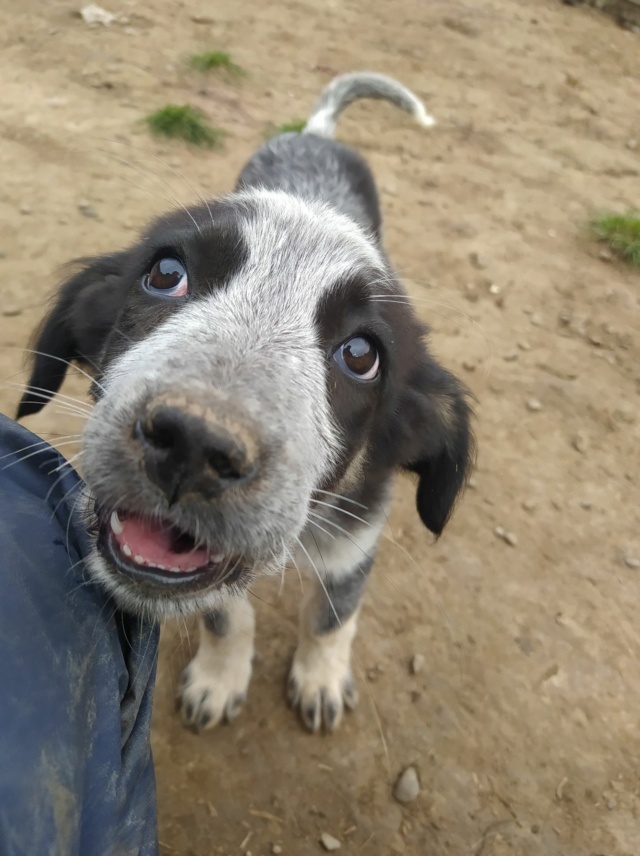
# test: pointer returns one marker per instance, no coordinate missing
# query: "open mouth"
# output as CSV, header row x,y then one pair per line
x,y
154,549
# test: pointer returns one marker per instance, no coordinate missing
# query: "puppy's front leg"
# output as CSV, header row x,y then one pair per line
x,y
320,683
215,683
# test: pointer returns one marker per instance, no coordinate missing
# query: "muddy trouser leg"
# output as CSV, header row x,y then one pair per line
x,y
76,677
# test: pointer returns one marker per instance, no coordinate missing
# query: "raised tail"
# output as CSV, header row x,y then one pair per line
x,y
347,88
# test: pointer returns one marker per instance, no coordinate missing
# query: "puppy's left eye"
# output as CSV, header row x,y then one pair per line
x,y
167,278
359,358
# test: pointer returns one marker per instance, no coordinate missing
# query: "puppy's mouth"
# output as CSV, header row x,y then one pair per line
x,y
157,551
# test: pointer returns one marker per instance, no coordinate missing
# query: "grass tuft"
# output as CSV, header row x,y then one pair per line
x,y
622,233
183,122
216,61
295,126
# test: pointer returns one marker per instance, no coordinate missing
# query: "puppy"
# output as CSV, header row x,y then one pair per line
x,y
259,377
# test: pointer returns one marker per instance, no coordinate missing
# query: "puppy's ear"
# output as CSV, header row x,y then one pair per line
x,y
84,311
436,418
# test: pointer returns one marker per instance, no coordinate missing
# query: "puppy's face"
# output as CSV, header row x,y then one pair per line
x,y
250,356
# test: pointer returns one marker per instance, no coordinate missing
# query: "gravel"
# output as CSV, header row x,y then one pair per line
x,y
329,842
508,537
407,787
580,442
417,663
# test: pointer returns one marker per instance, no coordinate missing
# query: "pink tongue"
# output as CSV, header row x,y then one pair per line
x,y
152,542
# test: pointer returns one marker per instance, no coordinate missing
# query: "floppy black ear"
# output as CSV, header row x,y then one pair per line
x,y
84,311
437,426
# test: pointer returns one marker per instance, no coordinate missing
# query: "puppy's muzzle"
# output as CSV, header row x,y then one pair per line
x,y
191,451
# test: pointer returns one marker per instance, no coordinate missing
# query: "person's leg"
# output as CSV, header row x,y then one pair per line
x,y
76,677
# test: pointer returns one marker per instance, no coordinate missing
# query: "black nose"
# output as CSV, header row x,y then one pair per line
x,y
183,454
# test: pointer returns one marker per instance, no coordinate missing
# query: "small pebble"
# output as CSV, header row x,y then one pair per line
x,y
510,356
472,483
407,787
477,260
580,442
605,255
87,210
533,404
417,663
276,849
494,288
586,504
529,505
25,209
524,345
329,842
632,144
508,537
469,365
632,562
471,292
536,319
10,311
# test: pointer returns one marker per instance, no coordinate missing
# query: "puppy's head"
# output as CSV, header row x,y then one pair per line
x,y
246,355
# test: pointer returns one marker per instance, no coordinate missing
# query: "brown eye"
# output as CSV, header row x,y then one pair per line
x,y
168,278
359,358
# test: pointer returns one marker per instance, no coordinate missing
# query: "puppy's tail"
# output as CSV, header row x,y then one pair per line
x,y
347,88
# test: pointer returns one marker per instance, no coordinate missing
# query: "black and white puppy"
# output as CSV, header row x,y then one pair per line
x,y
259,377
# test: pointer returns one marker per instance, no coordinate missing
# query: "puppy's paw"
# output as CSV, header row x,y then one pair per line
x,y
214,688
321,687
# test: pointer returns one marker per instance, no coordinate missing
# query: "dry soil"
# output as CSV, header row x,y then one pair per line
x,y
524,722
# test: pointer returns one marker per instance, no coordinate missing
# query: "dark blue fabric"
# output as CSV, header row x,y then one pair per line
x,y
76,678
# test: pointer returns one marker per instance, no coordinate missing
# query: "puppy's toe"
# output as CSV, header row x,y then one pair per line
x,y
208,696
320,695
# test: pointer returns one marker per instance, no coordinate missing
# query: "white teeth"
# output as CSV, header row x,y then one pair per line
x,y
126,549
216,557
116,525
139,560
175,570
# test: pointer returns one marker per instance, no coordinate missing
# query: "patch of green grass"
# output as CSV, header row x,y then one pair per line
x,y
183,122
295,126
622,233
216,61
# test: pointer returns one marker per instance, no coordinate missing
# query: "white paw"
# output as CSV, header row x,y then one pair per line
x,y
321,686
214,686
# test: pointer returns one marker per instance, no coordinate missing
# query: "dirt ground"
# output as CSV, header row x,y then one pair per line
x,y
524,724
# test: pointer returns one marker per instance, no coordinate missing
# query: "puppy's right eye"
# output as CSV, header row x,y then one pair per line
x,y
359,358
167,278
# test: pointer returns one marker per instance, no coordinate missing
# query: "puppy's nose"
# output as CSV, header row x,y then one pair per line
x,y
185,453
